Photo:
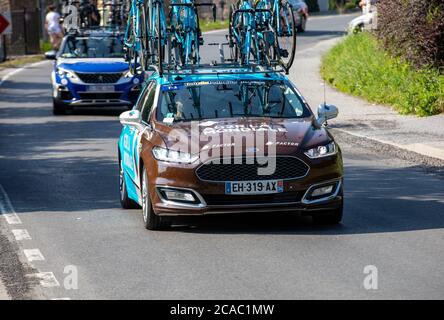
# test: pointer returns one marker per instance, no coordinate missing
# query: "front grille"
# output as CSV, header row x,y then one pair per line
x,y
224,199
99,95
286,168
99,77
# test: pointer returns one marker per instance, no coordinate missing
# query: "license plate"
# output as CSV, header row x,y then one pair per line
x,y
254,187
101,88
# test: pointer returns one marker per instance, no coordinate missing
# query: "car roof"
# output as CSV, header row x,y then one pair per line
x,y
217,75
95,33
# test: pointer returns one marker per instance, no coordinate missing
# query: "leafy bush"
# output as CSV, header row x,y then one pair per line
x,y
360,67
413,30
343,5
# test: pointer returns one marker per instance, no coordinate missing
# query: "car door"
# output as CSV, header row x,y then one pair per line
x,y
131,147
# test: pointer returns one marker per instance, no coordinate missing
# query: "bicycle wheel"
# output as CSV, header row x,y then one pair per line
x,y
239,32
285,29
129,44
231,41
156,32
143,39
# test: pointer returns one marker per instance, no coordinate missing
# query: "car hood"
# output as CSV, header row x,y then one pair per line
x,y
238,135
93,65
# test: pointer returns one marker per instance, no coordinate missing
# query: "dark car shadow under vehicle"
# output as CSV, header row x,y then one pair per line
x,y
376,201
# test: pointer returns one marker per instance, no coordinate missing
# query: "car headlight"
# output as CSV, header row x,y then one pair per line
x,y
322,151
163,154
66,73
128,74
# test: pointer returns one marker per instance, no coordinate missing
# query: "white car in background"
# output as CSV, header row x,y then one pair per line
x,y
368,19
300,11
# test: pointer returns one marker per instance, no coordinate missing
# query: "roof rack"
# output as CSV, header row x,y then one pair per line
x,y
89,30
216,69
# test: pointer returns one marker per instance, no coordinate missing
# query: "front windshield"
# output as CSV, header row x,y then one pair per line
x,y
93,47
229,99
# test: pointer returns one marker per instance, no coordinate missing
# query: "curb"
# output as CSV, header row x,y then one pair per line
x,y
418,148
3,292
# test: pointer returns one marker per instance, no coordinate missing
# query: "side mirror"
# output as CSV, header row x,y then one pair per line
x,y
131,118
51,55
326,112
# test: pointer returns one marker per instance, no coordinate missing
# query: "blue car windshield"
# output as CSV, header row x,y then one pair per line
x,y
229,99
93,47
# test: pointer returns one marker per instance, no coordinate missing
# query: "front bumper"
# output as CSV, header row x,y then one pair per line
x,y
213,200
80,94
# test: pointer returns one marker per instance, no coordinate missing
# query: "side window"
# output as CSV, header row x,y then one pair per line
x,y
139,103
148,100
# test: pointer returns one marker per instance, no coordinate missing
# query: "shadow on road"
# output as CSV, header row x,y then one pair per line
x,y
320,33
376,201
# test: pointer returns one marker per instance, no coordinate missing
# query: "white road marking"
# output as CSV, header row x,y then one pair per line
x,y
21,234
12,218
47,279
6,208
33,255
64,298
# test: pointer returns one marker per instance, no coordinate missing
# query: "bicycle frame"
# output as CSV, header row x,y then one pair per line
x,y
186,28
252,35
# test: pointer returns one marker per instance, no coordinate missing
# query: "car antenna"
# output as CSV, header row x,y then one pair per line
x,y
325,99
325,94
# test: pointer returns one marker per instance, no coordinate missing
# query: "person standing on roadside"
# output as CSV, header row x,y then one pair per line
x,y
53,27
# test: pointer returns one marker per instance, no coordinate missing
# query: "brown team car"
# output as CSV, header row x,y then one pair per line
x,y
228,142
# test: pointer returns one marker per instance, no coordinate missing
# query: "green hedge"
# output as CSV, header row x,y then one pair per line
x,y
413,30
360,67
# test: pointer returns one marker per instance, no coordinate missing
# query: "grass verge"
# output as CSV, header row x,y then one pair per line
x,y
208,25
360,67
21,61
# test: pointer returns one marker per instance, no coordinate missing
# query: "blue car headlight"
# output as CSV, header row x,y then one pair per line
x,y
63,73
129,75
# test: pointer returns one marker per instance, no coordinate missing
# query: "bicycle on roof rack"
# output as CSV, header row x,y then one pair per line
x,y
116,12
153,43
148,35
252,40
185,31
264,31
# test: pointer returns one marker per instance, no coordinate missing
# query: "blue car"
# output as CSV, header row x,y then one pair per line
x,y
90,71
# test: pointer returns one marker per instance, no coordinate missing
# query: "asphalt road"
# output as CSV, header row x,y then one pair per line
x,y
61,176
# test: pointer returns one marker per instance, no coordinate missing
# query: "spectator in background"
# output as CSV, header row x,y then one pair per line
x,y
53,27
366,5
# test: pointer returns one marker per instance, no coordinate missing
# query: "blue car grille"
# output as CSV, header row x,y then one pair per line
x,y
99,77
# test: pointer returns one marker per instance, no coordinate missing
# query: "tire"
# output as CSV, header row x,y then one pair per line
x,y
303,25
125,201
290,51
151,220
330,218
58,108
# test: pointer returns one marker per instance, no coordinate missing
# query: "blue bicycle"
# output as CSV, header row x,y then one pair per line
x,y
263,32
284,25
136,37
185,30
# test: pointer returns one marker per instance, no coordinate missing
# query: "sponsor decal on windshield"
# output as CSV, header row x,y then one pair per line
x,y
243,128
